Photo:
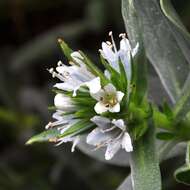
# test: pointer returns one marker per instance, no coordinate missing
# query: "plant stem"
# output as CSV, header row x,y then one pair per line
x,y
144,162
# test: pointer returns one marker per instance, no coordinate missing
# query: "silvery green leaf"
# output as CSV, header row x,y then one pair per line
x,y
144,162
182,107
179,31
127,184
182,174
162,48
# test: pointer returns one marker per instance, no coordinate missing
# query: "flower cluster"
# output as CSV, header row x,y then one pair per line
x,y
89,101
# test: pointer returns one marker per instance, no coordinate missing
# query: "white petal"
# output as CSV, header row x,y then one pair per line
x,y
100,108
125,45
75,142
126,60
119,123
94,85
115,108
110,88
107,52
112,149
126,143
63,102
119,96
65,86
107,74
135,50
76,54
97,96
110,56
101,122
96,137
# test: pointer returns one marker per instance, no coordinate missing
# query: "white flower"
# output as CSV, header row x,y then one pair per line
x,y
111,134
64,103
74,76
63,123
108,99
112,55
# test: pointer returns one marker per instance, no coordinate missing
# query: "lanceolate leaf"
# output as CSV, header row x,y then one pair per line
x,y
182,174
182,107
144,163
140,75
179,31
146,17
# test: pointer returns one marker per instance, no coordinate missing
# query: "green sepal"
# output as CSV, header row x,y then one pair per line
x,y
44,136
165,136
85,113
66,49
115,76
161,120
94,69
81,101
52,108
167,110
59,91
139,113
123,77
182,174
139,130
78,128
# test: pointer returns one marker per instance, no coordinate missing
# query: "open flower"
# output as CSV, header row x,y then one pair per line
x,y
112,55
108,99
111,134
73,76
85,91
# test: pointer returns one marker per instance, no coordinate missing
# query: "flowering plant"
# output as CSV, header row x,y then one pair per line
x,y
112,108
103,105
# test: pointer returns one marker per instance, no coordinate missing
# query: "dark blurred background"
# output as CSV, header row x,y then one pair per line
x,y
28,45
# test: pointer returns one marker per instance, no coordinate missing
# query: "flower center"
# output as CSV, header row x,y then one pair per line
x,y
109,100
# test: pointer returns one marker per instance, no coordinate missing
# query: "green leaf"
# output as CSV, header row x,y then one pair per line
x,y
165,136
145,172
44,136
182,106
162,49
182,174
180,32
139,78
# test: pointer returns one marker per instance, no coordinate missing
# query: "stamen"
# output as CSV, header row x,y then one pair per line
x,y
113,42
122,35
109,43
107,130
50,70
49,125
53,140
59,63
